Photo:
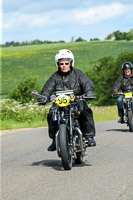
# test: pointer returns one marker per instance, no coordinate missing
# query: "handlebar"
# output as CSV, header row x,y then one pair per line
x,y
36,95
83,97
120,93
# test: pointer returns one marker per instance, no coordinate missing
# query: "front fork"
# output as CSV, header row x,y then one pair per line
x,y
57,140
80,135
61,120
57,143
128,106
69,126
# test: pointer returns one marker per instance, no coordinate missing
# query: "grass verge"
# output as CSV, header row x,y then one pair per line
x,y
11,124
104,113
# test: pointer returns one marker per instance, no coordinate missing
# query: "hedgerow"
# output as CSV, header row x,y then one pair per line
x,y
27,112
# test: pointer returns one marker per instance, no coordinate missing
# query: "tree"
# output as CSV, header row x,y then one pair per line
x,y
16,44
23,90
122,35
36,42
129,36
118,35
95,39
80,40
104,74
9,43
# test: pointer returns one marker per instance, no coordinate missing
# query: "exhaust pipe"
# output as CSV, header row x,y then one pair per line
x,y
57,143
81,140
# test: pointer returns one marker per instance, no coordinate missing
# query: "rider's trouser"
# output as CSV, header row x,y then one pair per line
x,y
120,105
86,121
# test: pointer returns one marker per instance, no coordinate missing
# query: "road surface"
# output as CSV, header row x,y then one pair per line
x,y
30,172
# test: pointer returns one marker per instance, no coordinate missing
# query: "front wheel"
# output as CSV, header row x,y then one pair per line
x,y
65,148
130,120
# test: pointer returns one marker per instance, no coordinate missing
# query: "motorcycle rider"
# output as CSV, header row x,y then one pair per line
x,y
123,83
69,78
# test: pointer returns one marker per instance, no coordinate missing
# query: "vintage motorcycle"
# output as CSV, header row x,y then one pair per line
x,y
70,143
128,108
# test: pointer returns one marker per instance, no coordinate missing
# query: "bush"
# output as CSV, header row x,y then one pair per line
x,y
104,74
23,91
18,112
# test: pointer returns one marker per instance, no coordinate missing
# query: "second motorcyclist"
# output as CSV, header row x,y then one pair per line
x,y
69,78
123,83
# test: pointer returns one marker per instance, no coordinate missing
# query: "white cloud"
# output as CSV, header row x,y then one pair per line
x,y
37,6
39,21
59,17
14,20
21,20
25,20
100,13
15,5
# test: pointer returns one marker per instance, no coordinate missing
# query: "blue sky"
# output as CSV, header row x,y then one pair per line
x,y
54,20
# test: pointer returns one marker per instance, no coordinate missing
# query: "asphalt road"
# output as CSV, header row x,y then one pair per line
x,y
30,172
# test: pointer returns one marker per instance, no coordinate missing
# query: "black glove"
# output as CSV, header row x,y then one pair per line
x,y
90,94
42,100
115,92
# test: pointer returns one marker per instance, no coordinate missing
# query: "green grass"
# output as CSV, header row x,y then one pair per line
x,y
11,124
100,114
21,63
105,113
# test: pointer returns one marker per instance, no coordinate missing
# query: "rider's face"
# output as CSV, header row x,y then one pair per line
x,y
64,65
127,71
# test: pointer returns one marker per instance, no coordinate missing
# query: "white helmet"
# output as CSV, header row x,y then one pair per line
x,y
64,54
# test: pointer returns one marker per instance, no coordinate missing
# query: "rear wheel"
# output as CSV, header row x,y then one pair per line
x,y
130,120
65,148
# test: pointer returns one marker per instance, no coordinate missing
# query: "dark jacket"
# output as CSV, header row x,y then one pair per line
x,y
123,83
75,80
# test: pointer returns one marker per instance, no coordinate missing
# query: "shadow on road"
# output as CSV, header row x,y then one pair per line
x,y
57,164
118,130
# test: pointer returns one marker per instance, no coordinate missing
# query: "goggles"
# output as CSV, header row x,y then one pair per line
x,y
64,63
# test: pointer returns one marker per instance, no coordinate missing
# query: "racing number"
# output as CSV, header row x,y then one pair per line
x,y
62,100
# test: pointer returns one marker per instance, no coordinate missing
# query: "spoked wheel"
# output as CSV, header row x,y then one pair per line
x,y
79,159
130,120
65,148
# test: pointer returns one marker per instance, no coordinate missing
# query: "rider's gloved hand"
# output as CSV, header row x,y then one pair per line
x,y
42,100
115,92
131,75
90,94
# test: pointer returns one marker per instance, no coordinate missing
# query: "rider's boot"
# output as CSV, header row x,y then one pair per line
x,y
91,141
121,120
52,147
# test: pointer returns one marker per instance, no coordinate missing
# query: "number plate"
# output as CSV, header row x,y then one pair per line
x,y
62,100
128,95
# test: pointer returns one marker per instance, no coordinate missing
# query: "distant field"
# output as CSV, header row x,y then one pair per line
x,y
21,63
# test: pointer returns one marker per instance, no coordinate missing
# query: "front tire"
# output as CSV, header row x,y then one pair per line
x,y
65,148
130,120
